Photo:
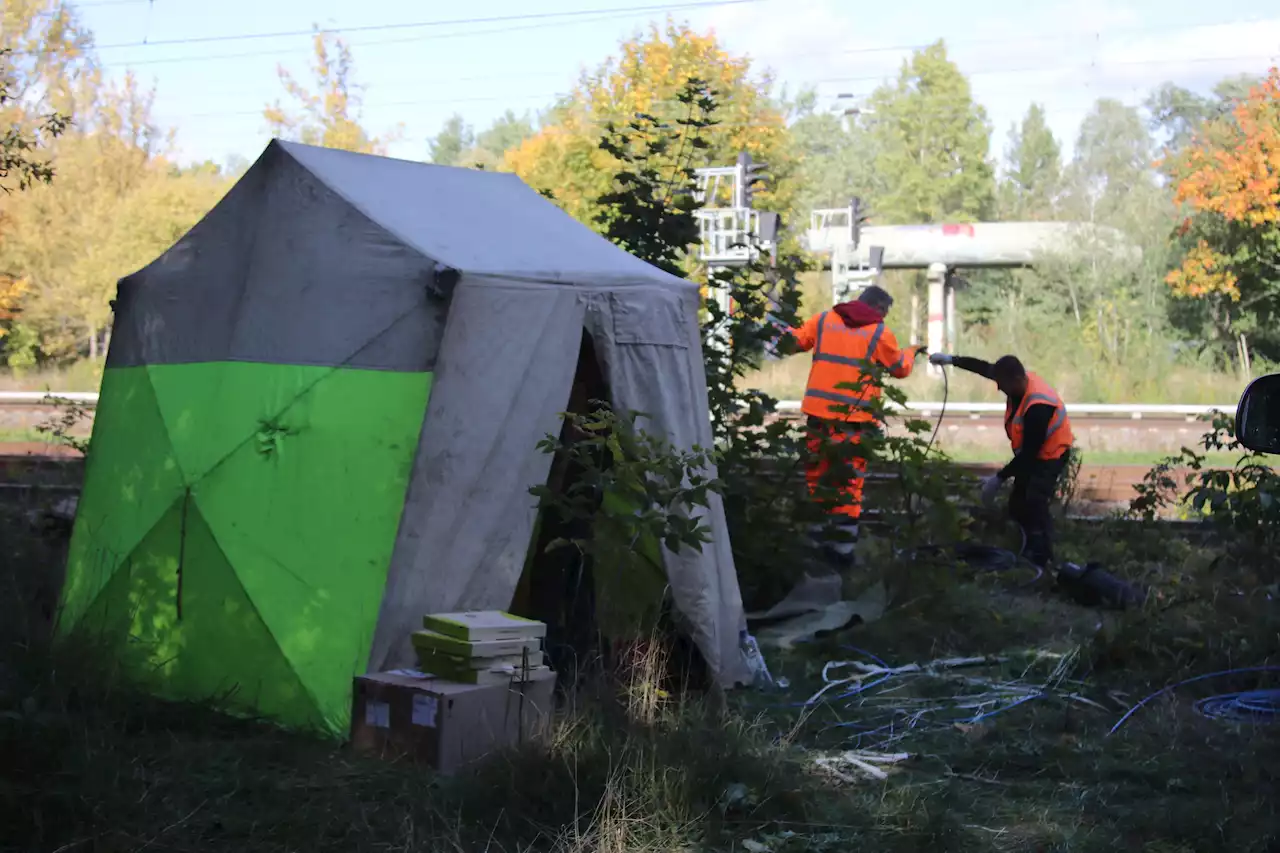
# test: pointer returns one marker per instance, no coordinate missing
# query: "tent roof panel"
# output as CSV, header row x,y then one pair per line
x,y
482,223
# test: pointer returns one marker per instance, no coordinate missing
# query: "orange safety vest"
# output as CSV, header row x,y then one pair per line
x,y
1058,437
841,356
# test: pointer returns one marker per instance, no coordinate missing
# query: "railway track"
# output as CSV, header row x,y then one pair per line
x,y
1099,428
35,465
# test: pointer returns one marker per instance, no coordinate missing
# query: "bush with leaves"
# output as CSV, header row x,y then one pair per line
x,y
61,427
1242,501
639,494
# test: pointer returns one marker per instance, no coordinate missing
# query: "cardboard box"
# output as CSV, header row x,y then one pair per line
x,y
444,724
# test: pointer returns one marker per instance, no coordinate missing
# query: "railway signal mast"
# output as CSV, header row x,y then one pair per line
x,y
849,274
732,232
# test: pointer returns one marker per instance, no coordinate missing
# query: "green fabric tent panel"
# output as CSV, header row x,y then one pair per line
x,y
211,409
180,625
307,515
135,614
131,479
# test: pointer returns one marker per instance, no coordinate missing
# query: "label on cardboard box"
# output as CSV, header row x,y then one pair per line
x,y
424,710
377,714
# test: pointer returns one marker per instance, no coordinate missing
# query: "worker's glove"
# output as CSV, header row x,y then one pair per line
x,y
990,489
940,358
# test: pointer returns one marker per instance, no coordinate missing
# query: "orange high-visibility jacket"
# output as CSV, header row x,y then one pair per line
x,y
1058,438
841,356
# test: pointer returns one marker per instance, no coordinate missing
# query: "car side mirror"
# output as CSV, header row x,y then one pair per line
x,y
1258,415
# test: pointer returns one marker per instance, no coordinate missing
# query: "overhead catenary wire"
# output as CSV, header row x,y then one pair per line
x,y
956,107
575,16
567,14
1093,37
959,109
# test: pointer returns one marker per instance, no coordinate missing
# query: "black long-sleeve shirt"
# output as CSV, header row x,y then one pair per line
x,y
1035,423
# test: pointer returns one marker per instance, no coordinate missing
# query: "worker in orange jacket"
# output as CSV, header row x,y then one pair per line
x,y
845,342
1039,430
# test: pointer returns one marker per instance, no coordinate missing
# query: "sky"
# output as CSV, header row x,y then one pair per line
x,y
214,65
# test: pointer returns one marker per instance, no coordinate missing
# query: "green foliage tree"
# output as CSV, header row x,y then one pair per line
x,y
454,140
506,133
329,115
835,158
932,144
1033,180
1112,165
650,212
1178,114
457,143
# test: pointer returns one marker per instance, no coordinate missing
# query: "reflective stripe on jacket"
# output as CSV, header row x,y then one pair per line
x,y
1058,437
840,357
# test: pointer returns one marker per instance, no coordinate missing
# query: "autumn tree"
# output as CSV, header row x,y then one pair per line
x,y
43,58
48,60
1230,183
329,114
646,79
1033,170
23,162
933,143
23,152
116,203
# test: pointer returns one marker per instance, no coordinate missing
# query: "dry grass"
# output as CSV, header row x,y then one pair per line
x,y
80,376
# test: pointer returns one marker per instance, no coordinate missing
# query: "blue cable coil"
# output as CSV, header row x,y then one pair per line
x,y
1249,706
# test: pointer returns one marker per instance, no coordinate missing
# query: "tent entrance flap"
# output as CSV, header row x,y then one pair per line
x,y
557,586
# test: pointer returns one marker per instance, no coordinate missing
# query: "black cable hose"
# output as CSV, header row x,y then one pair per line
x,y
946,392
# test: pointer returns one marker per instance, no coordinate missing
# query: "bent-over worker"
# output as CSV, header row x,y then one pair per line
x,y
1039,430
845,342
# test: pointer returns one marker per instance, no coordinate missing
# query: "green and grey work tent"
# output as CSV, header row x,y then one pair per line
x,y
319,421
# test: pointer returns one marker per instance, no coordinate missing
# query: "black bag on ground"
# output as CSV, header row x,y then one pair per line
x,y
1093,586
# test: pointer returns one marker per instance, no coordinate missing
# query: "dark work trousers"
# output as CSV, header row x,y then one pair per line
x,y
1033,491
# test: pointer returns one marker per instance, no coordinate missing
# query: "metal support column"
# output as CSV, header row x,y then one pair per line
x,y
950,342
936,339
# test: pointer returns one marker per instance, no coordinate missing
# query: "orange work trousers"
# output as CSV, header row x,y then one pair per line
x,y
835,469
